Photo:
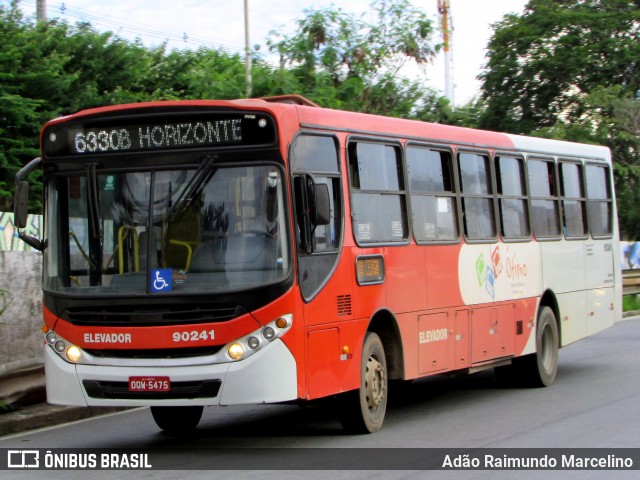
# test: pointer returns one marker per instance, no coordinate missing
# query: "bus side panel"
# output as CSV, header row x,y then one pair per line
x,y
435,343
600,305
600,280
572,321
568,284
492,332
323,362
442,268
405,280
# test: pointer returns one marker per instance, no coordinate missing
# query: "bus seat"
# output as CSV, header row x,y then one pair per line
x,y
181,238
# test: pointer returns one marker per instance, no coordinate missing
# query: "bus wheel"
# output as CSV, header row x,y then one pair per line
x,y
537,369
177,420
543,366
363,410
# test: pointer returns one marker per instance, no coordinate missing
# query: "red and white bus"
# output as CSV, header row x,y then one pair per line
x,y
258,251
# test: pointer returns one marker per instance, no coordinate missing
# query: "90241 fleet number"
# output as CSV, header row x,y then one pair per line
x,y
193,336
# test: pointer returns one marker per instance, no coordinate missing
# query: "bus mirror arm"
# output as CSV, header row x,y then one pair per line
x,y
21,205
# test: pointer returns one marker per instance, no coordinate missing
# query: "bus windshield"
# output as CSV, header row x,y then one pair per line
x,y
214,228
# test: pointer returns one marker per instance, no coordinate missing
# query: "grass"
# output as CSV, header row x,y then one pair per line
x,y
630,303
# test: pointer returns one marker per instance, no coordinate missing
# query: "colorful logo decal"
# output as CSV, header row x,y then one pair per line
x,y
161,280
480,270
497,261
489,273
491,280
497,272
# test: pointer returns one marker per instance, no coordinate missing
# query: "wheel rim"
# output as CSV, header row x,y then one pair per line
x,y
375,383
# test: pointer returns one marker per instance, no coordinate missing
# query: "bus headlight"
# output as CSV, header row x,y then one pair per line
x,y
235,351
50,337
73,354
65,350
59,346
246,346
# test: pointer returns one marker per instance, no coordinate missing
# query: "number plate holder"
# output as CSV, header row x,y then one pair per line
x,y
149,384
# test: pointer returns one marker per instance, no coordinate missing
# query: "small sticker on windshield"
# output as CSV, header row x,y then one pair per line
x,y
161,280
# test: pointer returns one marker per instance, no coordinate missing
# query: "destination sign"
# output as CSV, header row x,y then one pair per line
x,y
176,133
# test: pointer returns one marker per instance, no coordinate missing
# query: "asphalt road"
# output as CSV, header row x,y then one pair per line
x,y
594,403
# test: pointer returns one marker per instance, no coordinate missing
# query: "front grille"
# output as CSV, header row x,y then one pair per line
x,y
149,315
179,390
157,353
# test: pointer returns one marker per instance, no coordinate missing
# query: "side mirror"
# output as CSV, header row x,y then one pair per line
x,y
321,208
21,204
272,197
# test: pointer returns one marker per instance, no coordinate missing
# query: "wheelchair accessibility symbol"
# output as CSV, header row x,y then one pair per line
x,y
161,280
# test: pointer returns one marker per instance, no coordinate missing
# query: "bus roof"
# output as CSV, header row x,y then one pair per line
x,y
312,116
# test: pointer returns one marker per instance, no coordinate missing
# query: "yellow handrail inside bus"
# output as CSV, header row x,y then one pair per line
x,y
123,232
188,246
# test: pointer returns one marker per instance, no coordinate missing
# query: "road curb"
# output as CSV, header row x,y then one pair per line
x,y
46,415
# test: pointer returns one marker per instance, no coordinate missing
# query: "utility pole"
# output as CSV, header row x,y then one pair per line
x,y
247,49
41,11
444,8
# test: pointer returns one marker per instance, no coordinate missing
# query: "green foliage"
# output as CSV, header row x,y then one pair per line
x,y
542,63
630,303
342,61
335,59
571,70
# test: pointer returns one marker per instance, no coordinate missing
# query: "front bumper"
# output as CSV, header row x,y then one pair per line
x,y
268,376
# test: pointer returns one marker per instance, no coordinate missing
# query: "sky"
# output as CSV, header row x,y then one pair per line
x,y
220,23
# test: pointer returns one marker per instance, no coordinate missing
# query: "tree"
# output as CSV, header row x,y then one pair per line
x,y
542,63
336,59
343,60
570,70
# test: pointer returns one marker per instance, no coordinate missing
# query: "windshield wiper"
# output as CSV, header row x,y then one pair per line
x,y
95,230
193,188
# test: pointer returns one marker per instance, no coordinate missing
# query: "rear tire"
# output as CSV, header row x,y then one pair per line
x,y
537,369
176,420
363,410
543,365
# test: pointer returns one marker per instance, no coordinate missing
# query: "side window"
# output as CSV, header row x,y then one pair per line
x,y
317,156
378,204
433,196
477,196
600,204
574,212
315,169
512,198
545,214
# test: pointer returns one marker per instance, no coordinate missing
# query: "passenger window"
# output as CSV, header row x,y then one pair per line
x,y
574,212
477,196
433,200
545,213
378,198
600,204
512,198
317,155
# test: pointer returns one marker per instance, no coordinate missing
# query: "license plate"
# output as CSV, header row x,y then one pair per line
x,y
149,384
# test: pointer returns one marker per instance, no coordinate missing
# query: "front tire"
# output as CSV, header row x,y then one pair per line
x,y
177,420
363,410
